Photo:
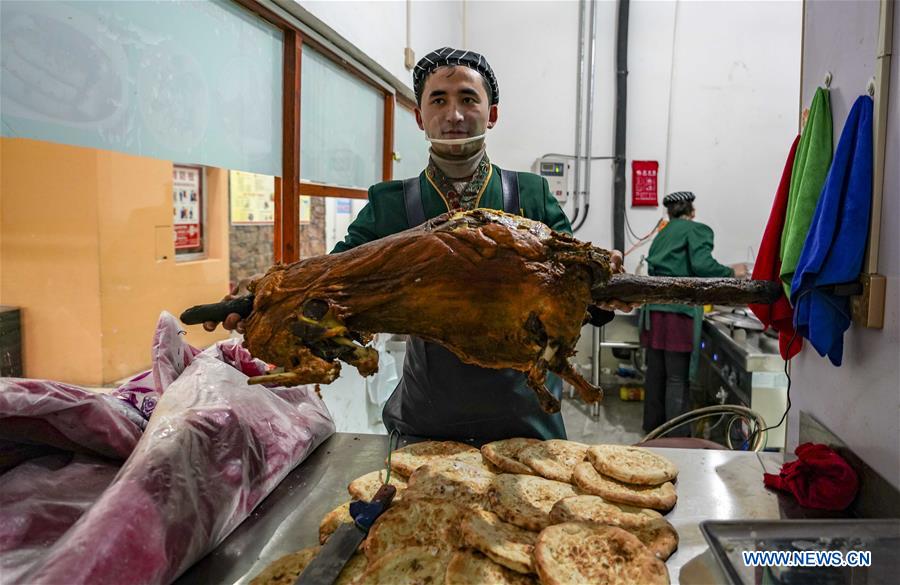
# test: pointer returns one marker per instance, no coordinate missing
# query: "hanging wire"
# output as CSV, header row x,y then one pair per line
x,y
787,373
628,226
645,239
391,447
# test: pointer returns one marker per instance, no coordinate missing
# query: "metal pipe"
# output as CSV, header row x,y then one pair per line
x,y
589,126
408,24
595,366
621,111
578,91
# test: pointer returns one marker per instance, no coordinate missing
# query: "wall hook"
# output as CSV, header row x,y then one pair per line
x,y
870,88
828,78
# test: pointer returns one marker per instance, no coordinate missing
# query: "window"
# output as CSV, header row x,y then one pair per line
x,y
410,146
342,125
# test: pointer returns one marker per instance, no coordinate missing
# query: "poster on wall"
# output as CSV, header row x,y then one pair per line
x,y
644,183
187,208
305,209
252,198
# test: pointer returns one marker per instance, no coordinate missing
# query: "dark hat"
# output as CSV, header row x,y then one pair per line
x,y
452,57
678,196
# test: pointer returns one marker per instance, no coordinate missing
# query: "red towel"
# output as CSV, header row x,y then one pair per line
x,y
779,315
819,478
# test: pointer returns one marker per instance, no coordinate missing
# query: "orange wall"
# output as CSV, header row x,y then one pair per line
x,y
83,234
48,244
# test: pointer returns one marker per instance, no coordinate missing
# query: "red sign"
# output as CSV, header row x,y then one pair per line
x,y
643,183
187,236
187,208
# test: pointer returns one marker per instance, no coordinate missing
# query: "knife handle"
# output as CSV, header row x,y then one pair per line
x,y
384,495
217,312
364,514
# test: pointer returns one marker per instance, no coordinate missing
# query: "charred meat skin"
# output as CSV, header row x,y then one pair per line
x,y
498,290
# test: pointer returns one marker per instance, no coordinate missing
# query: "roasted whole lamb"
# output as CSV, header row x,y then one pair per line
x,y
498,290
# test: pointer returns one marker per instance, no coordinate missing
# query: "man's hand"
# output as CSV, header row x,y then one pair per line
x,y
741,270
617,266
234,322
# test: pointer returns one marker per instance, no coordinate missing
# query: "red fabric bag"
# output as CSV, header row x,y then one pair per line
x,y
819,478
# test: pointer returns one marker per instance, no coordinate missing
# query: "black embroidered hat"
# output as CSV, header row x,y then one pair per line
x,y
678,196
447,56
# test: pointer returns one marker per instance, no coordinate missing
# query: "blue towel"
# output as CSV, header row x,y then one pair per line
x,y
835,245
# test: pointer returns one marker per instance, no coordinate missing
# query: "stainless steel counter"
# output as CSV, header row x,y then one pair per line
x,y
747,352
711,485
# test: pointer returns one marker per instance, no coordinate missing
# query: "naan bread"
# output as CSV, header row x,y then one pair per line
x,y
577,553
355,567
407,459
526,500
554,459
416,565
333,520
504,543
364,487
659,536
595,509
648,525
420,522
285,570
451,479
504,454
632,464
471,568
659,497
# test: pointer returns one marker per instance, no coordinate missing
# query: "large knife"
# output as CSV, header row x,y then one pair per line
x,y
326,567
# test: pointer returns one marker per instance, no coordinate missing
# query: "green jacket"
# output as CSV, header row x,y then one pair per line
x,y
683,248
385,214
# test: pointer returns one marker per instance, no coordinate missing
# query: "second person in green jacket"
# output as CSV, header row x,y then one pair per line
x,y
671,333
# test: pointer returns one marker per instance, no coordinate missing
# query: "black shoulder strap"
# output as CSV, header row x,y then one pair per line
x,y
510,184
412,197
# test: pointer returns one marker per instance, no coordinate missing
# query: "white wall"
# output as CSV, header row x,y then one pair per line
x,y
859,401
378,27
712,95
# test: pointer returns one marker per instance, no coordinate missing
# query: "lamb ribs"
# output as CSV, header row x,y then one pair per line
x,y
498,290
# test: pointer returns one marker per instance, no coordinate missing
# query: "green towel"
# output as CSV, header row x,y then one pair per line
x,y
810,169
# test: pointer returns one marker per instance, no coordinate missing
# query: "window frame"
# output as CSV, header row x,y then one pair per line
x,y
288,186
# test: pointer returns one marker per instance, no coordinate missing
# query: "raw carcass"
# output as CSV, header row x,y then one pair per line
x,y
211,451
498,290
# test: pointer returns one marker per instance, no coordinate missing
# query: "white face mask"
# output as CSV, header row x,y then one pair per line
x,y
455,141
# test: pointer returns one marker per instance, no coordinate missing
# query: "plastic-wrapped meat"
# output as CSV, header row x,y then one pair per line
x,y
213,449
67,417
41,499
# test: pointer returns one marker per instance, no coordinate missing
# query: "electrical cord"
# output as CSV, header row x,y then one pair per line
x,y
629,228
645,239
391,447
787,373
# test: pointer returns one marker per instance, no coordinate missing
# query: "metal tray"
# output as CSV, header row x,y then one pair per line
x,y
727,539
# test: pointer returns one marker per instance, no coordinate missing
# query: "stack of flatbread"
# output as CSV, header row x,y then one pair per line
x,y
519,511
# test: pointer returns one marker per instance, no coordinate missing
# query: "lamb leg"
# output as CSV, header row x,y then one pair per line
x,y
682,290
586,391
